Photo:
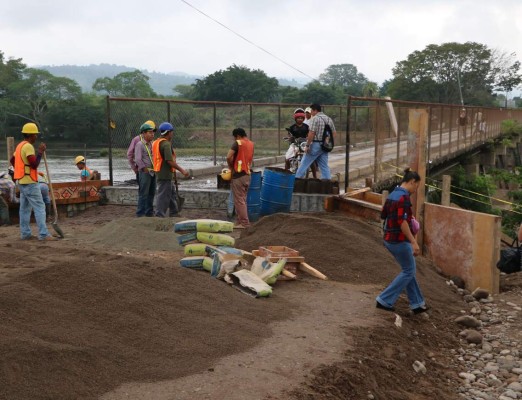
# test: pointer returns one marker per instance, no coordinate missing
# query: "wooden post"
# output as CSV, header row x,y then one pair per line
x,y
446,189
368,182
10,148
417,134
385,194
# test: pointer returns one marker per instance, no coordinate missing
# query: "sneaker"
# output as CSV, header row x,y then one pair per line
x,y
29,238
420,310
381,307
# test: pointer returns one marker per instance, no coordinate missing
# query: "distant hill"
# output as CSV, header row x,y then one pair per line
x,y
161,83
86,75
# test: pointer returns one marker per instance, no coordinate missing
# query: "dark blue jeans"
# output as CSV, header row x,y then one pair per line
x,y
147,190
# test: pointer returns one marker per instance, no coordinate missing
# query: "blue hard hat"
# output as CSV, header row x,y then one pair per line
x,y
165,127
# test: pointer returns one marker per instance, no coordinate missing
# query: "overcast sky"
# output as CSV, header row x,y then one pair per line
x,y
170,36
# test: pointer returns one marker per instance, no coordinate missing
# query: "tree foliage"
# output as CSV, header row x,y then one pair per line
x,y
346,77
433,74
127,84
236,83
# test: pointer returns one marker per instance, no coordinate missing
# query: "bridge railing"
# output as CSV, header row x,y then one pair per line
x,y
382,124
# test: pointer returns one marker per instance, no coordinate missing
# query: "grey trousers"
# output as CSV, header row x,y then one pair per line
x,y
166,199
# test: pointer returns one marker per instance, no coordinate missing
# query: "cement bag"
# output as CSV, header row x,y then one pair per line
x,y
207,263
195,262
224,264
267,270
249,283
204,225
187,238
217,239
196,249
211,250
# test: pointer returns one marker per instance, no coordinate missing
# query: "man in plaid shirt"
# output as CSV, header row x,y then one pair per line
x,y
313,140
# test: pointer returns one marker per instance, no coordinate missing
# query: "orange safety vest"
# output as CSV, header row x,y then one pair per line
x,y
157,159
245,154
22,169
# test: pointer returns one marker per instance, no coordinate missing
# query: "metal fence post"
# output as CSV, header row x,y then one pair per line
x,y
376,141
109,139
279,129
215,134
251,121
347,146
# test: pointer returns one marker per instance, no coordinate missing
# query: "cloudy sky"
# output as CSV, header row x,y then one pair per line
x,y
171,36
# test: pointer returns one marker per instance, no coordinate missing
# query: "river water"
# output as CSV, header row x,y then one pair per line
x,y
62,167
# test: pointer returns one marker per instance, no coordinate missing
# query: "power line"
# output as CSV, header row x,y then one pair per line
x,y
247,40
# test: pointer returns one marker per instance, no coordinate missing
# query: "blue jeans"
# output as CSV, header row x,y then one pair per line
x,y
45,192
315,154
146,192
31,200
403,253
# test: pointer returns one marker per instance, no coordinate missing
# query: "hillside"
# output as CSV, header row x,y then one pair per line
x,y
161,83
85,75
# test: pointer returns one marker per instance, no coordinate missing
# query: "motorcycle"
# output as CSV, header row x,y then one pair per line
x,y
295,152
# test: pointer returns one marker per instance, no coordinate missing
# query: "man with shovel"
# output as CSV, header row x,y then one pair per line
x,y
25,162
165,165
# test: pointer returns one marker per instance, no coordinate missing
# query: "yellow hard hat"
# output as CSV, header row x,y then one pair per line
x,y
79,159
151,123
226,174
30,129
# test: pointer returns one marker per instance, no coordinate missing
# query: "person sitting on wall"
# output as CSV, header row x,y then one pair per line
x,y
86,174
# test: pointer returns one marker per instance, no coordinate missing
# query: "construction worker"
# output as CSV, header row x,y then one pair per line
x,y
239,160
86,174
164,165
26,162
146,126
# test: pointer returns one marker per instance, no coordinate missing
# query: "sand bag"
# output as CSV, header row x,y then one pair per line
x,y
267,270
224,264
249,283
195,262
195,249
217,239
204,225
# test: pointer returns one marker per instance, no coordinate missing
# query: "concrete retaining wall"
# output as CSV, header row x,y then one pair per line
x,y
214,198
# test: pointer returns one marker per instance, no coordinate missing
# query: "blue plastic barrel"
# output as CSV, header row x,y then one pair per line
x,y
254,196
276,191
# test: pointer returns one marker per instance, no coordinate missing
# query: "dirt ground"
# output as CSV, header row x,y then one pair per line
x,y
109,313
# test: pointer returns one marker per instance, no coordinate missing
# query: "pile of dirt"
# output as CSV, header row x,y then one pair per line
x,y
344,249
81,317
77,323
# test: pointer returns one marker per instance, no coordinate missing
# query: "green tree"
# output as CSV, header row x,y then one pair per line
x,y
127,84
39,91
506,69
236,83
434,74
184,91
315,92
346,77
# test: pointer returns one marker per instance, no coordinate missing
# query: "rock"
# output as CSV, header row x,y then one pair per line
x,y
468,298
458,281
419,367
516,386
467,376
510,394
473,337
468,321
479,293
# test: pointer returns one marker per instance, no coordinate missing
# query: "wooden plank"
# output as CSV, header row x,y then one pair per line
x,y
352,193
275,259
288,274
312,271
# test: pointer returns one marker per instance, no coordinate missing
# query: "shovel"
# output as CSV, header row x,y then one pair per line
x,y
179,200
54,224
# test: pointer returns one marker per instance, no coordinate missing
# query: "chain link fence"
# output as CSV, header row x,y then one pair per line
x,y
203,130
